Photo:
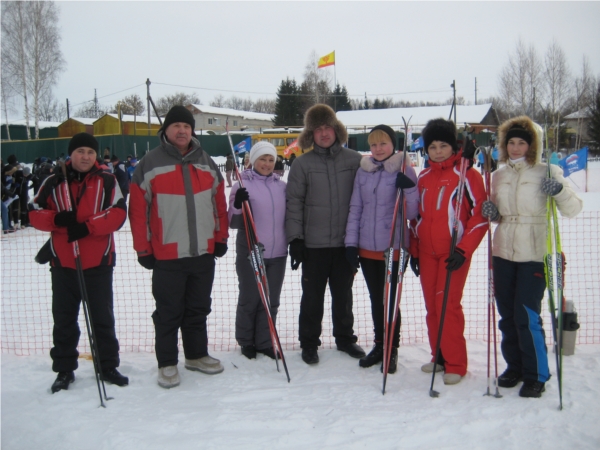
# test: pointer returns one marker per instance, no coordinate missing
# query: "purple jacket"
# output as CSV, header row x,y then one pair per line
x,y
372,204
267,200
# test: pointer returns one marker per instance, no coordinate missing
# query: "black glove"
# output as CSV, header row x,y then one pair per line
x,y
551,187
469,149
296,253
490,211
456,260
77,231
352,257
414,265
147,262
220,249
240,196
65,218
403,182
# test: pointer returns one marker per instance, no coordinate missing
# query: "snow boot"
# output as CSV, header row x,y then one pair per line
x,y
428,368
113,376
267,352
393,361
375,356
452,378
510,378
206,364
352,349
168,377
310,355
532,389
62,381
249,351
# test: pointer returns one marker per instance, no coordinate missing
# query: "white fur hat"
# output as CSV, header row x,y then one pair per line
x,y
262,148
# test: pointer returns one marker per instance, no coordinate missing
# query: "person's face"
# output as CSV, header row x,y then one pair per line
x,y
83,159
179,134
516,148
265,165
439,151
324,136
382,150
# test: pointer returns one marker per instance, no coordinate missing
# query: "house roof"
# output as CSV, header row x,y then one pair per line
x,y
132,118
419,116
584,113
234,113
83,120
41,124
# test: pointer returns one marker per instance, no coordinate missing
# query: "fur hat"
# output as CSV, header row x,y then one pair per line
x,y
316,116
176,114
82,140
522,127
388,131
440,130
262,148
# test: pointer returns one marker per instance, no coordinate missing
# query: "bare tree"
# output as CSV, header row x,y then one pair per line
x,y
6,94
132,104
558,86
91,110
585,90
264,105
316,85
51,110
164,104
218,101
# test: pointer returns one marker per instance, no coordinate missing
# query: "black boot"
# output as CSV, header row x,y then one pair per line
x,y
532,389
393,361
62,381
375,356
114,377
267,352
352,349
249,351
510,378
310,355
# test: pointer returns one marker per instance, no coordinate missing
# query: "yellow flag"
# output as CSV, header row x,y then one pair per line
x,y
327,60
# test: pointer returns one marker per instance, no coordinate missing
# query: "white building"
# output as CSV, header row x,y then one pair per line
x,y
212,118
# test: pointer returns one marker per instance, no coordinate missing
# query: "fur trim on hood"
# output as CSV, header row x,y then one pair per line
x,y
316,116
391,165
534,154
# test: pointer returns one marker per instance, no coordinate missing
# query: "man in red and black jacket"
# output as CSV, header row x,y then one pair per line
x,y
98,211
178,216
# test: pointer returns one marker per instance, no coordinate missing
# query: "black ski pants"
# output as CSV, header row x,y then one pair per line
x,y
519,289
182,289
66,298
251,322
375,273
322,266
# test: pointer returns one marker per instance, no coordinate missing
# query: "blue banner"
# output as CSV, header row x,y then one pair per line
x,y
417,144
575,162
243,146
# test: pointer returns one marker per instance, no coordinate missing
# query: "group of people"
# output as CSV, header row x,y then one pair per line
x,y
333,217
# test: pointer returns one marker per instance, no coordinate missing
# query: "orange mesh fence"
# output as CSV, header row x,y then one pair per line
x,y
27,297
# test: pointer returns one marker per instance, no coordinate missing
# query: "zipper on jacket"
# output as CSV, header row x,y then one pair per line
x,y
440,197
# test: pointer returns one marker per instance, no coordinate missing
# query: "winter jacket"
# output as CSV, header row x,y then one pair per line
x,y
120,172
267,201
99,204
318,196
438,189
372,205
177,207
229,165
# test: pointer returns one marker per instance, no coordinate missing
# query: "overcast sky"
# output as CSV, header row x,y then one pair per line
x,y
403,50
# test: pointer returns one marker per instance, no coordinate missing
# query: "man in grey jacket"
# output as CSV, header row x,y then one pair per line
x,y
318,201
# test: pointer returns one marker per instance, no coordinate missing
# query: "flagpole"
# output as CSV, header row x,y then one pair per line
x,y
334,84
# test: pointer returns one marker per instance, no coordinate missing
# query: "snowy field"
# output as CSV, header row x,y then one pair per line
x,y
333,405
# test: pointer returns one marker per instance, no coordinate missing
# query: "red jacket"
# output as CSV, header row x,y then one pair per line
x,y
431,232
99,204
177,207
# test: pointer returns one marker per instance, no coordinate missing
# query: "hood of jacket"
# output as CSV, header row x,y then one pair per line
x,y
534,154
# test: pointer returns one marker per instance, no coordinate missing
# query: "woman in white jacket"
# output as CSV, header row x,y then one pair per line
x,y
518,203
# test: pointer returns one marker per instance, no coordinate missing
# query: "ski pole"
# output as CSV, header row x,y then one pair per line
x,y
84,297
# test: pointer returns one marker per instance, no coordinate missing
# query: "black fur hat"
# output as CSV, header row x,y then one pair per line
x,y
83,140
316,116
176,114
440,130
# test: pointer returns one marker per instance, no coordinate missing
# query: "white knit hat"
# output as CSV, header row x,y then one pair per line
x,y
262,148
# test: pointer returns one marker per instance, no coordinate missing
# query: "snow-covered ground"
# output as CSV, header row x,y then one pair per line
x,y
333,405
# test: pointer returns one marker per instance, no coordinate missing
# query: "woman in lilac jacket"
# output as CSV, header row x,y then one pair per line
x,y
369,223
266,193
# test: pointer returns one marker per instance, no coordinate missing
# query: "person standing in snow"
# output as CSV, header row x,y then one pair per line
x,y
368,231
91,223
120,172
265,191
431,237
518,204
178,216
229,169
318,200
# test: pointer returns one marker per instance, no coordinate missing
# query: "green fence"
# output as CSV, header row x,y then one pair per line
x,y
120,145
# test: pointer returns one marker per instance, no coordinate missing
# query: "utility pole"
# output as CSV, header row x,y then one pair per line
x,y
148,101
95,104
475,90
68,115
453,86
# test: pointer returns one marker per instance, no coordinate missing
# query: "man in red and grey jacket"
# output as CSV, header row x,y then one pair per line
x,y
98,211
178,216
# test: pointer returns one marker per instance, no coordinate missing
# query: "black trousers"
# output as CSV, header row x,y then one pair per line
x,y
375,273
322,266
519,289
66,298
182,289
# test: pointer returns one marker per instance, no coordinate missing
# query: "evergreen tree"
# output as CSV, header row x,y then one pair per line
x,y
594,126
340,100
288,105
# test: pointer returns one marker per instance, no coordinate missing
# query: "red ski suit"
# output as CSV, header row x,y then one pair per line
x,y
431,237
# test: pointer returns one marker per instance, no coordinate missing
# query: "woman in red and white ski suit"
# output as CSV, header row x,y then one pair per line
x,y
431,237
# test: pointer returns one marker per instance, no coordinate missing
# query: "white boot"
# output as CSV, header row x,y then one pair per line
x,y
207,364
452,378
428,368
168,377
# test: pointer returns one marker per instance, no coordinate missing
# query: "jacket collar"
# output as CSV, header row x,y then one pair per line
x,y
331,151
391,164
447,164
174,151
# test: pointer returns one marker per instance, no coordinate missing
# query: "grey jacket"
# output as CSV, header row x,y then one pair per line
x,y
318,196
